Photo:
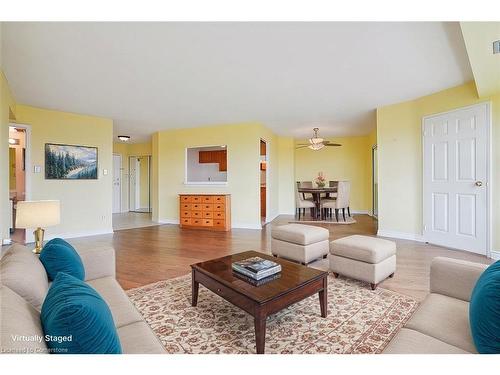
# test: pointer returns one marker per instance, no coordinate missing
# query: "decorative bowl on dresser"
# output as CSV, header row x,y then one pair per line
x,y
205,211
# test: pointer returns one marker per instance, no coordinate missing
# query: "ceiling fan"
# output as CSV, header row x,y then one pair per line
x,y
316,143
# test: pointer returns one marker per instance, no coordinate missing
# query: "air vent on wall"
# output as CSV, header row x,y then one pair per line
x,y
496,47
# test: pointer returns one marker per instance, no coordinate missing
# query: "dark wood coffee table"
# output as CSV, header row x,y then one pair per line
x,y
296,283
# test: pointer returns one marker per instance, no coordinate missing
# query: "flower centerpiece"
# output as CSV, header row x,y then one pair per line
x,y
320,180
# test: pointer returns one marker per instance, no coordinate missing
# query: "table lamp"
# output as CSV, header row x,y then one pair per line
x,y
38,214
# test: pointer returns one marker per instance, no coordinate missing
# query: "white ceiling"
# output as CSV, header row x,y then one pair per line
x,y
289,76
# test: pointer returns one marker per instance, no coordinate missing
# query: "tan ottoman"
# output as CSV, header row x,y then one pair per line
x,y
363,258
301,243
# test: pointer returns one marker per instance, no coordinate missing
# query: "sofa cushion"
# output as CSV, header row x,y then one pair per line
x,y
444,318
300,234
78,318
137,338
21,329
484,314
408,341
62,257
22,272
366,249
123,311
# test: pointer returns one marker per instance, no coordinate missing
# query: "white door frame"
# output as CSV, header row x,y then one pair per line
x,y
27,171
137,183
121,178
489,171
268,217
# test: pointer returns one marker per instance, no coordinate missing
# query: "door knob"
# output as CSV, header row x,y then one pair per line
x,y
479,183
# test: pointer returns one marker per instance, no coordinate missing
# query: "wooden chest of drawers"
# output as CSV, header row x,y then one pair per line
x,y
205,211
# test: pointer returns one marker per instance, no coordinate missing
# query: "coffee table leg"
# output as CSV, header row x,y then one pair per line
x,y
260,333
323,299
194,289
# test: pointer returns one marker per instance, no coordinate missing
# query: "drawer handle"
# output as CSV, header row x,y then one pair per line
x,y
219,290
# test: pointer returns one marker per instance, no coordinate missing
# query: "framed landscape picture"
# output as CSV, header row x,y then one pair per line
x,y
70,162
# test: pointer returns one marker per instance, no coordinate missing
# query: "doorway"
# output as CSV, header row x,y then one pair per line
x,y
456,147
374,182
140,184
117,183
19,164
263,181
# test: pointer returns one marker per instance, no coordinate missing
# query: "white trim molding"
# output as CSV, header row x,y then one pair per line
x,y
168,221
495,254
246,226
361,212
400,235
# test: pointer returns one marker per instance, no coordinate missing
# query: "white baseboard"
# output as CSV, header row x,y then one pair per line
x,y
400,235
268,220
6,241
361,212
168,221
246,226
495,254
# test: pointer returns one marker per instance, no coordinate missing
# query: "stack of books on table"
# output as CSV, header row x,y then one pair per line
x,y
256,270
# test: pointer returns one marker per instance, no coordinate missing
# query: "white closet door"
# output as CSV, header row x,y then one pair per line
x,y
456,179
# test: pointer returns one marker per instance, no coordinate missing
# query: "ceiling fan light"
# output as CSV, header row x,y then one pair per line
x,y
124,138
316,146
315,141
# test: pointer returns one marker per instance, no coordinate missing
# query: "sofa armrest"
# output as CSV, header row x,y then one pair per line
x,y
99,261
455,278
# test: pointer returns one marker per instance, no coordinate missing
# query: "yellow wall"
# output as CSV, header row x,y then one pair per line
x,y
126,150
243,148
85,204
399,141
478,37
351,161
7,112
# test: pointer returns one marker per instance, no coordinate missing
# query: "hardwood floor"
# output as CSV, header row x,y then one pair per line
x,y
150,254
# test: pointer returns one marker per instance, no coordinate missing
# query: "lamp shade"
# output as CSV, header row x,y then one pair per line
x,y
34,214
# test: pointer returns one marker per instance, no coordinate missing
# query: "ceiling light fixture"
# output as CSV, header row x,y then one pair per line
x,y
13,141
317,143
315,139
316,146
124,138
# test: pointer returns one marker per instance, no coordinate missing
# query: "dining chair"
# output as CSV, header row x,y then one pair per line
x,y
341,201
306,185
330,196
302,204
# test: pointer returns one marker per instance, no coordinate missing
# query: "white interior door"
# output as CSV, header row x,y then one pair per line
x,y
117,183
456,162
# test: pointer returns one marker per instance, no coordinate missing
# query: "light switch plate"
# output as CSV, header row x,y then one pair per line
x,y
496,47
105,172
37,169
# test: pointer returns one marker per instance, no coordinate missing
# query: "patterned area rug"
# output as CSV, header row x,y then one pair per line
x,y
359,320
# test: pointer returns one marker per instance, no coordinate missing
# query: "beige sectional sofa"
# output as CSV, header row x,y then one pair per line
x,y
441,323
24,285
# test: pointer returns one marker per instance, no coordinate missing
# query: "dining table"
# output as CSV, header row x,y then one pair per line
x,y
316,193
